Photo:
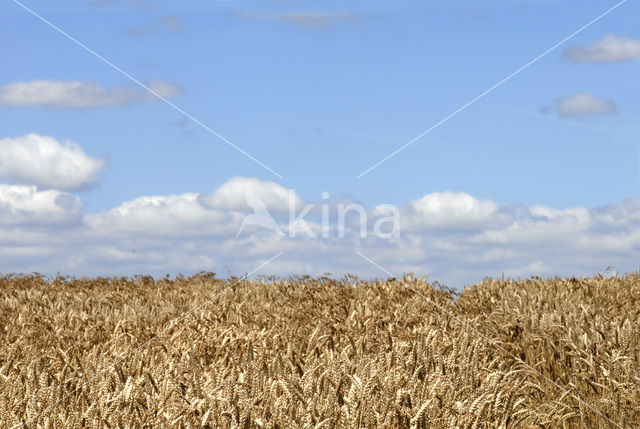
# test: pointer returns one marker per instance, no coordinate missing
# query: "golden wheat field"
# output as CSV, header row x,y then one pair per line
x,y
318,353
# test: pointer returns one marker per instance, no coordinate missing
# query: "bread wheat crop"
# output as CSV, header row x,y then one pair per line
x,y
318,353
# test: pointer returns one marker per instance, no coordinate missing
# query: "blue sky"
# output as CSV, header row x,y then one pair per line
x,y
321,90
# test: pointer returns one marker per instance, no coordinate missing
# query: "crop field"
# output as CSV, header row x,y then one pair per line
x,y
318,353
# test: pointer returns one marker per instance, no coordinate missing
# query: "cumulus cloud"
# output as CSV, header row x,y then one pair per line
x,y
46,163
166,216
26,205
584,103
539,225
302,19
611,48
233,195
456,238
448,210
217,214
81,95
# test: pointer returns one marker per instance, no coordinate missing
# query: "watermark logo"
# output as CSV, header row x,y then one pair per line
x,y
325,220
260,216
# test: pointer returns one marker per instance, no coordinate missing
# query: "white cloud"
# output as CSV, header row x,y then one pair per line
x,y
456,238
584,103
44,162
81,95
25,205
448,210
165,216
233,195
539,226
611,48
625,214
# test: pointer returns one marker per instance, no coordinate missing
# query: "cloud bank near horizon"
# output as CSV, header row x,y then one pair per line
x,y
455,238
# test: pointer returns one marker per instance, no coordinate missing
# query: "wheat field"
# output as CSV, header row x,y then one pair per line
x,y
318,353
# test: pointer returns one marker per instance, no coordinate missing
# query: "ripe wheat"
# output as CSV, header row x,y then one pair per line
x,y
318,353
